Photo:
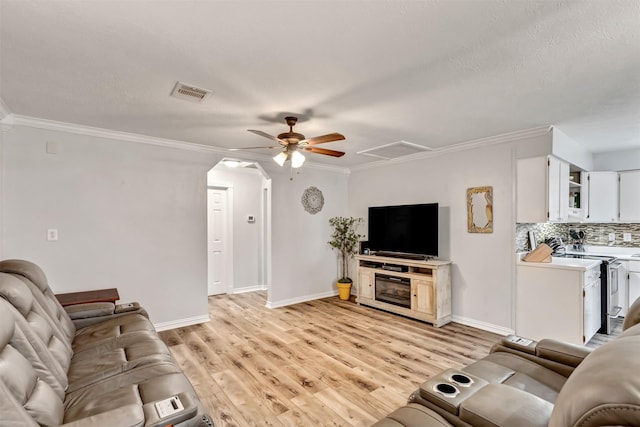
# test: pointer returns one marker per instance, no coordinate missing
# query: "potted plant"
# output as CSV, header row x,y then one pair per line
x,y
344,239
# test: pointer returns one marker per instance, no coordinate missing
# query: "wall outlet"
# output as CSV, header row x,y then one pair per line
x,y
52,234
612,237
626,237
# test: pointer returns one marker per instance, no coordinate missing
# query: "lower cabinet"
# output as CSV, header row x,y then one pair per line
x,y
422,296
366,282
634,286
412,288
558,303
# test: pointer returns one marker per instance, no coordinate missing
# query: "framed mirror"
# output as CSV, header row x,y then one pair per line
x,y
480,210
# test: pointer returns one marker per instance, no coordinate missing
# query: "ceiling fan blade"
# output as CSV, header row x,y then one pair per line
x,y
317,150
266,135
254,148
322,139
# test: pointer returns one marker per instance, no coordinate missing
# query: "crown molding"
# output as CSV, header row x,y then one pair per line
x,y
18,120
468,145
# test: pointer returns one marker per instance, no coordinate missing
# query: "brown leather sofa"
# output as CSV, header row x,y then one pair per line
x,y
103,365
525,383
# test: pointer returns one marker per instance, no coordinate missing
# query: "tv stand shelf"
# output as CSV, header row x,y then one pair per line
x,y
424,285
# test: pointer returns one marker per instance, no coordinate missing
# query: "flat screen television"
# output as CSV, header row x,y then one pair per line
x,y
404,229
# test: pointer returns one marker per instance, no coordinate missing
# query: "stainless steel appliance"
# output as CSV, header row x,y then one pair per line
x,y
609,289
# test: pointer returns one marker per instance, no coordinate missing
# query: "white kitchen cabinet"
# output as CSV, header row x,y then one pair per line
x,y
592,313
542,190
559,300
623,288
634,281
630,196
602,194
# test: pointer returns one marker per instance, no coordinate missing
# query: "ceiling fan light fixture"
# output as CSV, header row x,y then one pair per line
x,y
297,159
281,158
231,163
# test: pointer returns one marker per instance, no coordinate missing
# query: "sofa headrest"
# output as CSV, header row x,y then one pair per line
x,y
604,390
633,315
7,324
26,269
16,293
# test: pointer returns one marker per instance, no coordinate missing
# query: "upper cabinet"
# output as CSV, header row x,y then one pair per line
x,y
603,199
542,190
630,196
547,190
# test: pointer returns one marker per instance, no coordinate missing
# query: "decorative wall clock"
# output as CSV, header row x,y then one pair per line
x,y
312,200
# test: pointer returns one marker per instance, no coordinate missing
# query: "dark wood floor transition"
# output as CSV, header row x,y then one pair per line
x,y
321,363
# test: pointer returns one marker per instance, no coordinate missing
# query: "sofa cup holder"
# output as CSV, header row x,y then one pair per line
x,y
446,390
461,380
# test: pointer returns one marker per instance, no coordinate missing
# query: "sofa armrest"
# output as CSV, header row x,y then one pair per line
x,y
89,314
413,415
93,309
562,352
127,308
505,406
127,415
558,356
188,409
519,344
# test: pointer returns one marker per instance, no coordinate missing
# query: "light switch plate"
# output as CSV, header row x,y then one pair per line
x,y
626,237
612,237
52,147
52,234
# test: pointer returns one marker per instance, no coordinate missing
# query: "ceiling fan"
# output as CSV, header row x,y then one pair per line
x,y
292,143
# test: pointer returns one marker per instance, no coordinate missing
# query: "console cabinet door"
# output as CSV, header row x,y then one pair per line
x,y
422,299
366,283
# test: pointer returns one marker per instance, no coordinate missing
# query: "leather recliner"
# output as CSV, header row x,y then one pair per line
x,y
107,366
524,383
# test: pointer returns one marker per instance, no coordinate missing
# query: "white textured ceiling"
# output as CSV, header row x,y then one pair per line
x,y
430,72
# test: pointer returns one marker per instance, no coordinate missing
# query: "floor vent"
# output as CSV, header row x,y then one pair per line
x,y
190,93
394,150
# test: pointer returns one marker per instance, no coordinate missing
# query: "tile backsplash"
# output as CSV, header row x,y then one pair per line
x,y
595,234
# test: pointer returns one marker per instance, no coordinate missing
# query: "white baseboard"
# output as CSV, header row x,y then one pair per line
x,y
180,323
283,303
245,289
483,325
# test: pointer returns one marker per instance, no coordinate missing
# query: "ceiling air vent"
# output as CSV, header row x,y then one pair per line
x,y
190,93
394,150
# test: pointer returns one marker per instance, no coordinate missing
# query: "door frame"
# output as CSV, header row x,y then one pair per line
x,y
228,241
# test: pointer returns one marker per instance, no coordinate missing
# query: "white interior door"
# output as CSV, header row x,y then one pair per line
x,y
217,240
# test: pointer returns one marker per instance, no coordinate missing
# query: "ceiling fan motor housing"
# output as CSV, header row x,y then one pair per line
x,y
291,137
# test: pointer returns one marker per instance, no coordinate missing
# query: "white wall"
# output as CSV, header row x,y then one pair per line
x,y
247,200
303,265
131,216
482,270
617,160
567,149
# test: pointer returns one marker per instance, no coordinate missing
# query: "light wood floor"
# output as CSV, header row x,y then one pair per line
x,y
321,363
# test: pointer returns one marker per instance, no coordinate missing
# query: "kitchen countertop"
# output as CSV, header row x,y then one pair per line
x,y
579,264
